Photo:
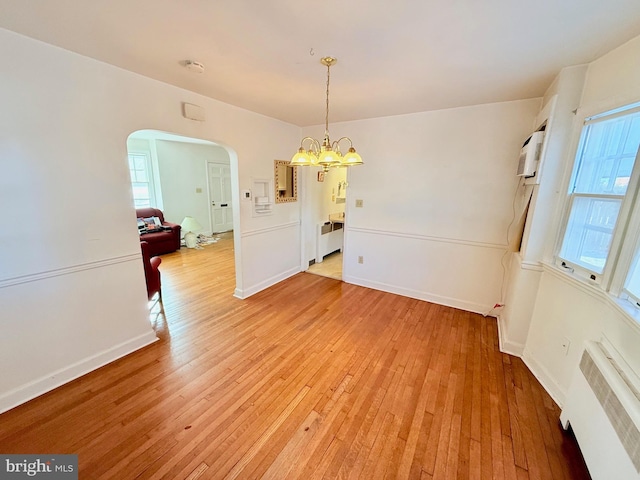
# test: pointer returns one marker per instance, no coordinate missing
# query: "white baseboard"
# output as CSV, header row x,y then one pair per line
x,y
420,295
247,292
545,378
507,346
53,380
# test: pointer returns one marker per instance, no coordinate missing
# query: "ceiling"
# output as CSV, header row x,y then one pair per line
x,y
394,57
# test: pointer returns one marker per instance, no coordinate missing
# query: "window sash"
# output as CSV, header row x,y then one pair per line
x,y
613,274
587,244
141,180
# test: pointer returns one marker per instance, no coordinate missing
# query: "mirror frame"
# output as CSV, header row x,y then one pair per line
x,y
279,199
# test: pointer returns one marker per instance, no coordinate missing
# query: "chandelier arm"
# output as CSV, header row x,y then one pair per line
x,y
305,139
314,146
335,146
345,138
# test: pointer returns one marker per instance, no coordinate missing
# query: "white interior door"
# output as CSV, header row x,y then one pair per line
x,y
220,197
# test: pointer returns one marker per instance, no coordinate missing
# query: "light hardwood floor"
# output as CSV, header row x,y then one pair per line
x,y
312,378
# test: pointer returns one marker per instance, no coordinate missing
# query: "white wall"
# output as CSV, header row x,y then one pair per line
x,y
613,78
70,262
568,309
560,101
565,307
329,191
437,189
182,168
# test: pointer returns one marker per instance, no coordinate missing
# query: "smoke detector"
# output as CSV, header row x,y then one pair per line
x,y
194,66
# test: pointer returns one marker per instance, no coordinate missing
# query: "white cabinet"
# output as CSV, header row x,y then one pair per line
x,y
330,237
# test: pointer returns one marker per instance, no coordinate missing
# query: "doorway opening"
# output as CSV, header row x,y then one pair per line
x,y
331,266
183,177
327,204
189,178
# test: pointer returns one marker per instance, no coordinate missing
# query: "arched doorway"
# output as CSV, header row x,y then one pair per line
x,y
187,177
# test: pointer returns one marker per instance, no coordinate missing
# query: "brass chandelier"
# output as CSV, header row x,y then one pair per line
x,y
325,154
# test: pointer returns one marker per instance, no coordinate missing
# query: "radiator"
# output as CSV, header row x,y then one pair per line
x,y
603,409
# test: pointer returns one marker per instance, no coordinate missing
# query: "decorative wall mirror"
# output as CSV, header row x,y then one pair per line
x,y
286,181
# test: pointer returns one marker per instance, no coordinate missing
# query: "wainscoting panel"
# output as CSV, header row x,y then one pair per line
x,y
269,255
458,273
57,326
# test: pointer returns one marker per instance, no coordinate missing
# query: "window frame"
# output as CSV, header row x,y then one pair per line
x,y
623,248
150,177
629,251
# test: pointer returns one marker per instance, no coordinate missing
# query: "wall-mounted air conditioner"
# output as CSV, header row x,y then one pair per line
x,y
530,155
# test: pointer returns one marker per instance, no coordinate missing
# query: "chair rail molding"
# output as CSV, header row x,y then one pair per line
x,y
34,277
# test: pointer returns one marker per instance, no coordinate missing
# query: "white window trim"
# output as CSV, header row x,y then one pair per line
x,y
626,235
150,175
629,249
625,217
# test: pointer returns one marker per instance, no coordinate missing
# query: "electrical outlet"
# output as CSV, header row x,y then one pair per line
x,y
360,259
359,203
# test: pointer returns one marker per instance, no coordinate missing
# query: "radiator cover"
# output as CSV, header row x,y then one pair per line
x,y
603,408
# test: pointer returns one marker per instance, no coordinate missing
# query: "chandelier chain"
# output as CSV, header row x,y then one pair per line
x,y
326,118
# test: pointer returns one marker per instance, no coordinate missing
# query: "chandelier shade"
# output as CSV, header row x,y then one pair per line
x,y
352,158
301,159
325,154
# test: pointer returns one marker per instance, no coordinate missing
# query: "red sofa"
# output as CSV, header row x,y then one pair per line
x,y
160,242
151,272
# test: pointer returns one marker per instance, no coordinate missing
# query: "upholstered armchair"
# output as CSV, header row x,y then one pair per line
x,y
165,241
151,273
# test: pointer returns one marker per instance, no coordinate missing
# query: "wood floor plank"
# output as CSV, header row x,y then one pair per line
x,y
517,442
294,449
359,427
475,461
237,469
414,432
325,460
312,378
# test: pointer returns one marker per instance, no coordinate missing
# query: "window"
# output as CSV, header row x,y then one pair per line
x,y
141,180
599,194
